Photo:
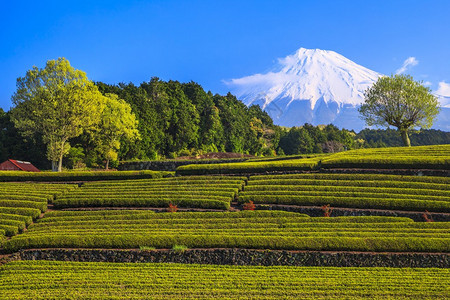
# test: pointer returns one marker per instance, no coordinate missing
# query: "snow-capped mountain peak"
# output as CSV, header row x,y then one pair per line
x,y
311,85
308,74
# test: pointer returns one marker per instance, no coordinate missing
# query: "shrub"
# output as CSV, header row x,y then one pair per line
x,y
179,248
172,208
327,210
249,205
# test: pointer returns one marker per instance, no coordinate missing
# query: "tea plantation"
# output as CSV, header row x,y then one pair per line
x,y
274,252
77,280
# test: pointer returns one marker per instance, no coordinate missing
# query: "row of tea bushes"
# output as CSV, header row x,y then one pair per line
x,y
80,175
185,192
20,203
421,157
50,279
391,192
245,229
302,164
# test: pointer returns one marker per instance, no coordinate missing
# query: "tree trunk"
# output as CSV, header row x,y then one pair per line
x,y
405,138
60,163
61,155
107,164
54,166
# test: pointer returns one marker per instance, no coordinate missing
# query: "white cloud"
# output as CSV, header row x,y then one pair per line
x,y
443,93
409,62
443,89
427,83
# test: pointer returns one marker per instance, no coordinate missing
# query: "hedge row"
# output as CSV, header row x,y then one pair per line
x,y
198,202
16,223
179,180
9,230
358,177
306,164
80,176
382,162
375,203
359,183
23,211
23,197
361,193
57,215
126,241
26,219
42,206
224,193
331,188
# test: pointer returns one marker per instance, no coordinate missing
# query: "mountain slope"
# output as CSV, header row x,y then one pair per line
x,y
311,85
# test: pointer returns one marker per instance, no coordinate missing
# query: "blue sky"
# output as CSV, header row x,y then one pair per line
x,y
211,41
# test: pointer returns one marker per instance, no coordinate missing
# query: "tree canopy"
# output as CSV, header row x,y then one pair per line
x,y
182,119
156,119
57,102
116,122
401,102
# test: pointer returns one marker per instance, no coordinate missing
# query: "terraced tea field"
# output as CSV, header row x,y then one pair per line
x,y
393,192
422,157
110,217
20,203
245,229
46,176
75,280
193,192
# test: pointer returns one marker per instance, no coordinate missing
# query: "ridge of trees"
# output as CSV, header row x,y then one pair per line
x,y
181,119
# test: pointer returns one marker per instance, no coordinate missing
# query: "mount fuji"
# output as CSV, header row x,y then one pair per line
x,y
310,86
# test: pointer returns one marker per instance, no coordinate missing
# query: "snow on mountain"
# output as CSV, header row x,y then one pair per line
x,y
312,85
318,87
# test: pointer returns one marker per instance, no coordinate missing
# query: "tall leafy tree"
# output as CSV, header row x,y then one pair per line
x,y
117,122
401,102
57,103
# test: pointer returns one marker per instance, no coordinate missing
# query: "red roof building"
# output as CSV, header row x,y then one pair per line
x,y
17,165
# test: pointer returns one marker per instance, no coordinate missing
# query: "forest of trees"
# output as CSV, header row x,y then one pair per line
x,y
182,119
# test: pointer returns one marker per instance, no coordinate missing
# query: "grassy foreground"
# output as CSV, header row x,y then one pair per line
x,y
75,280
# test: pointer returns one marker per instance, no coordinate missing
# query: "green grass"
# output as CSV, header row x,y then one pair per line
x,y
76,280
246,229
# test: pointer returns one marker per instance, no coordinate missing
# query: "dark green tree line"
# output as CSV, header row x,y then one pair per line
x,y
176,118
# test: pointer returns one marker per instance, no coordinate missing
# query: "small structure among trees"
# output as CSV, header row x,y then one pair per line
x,y
18,165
